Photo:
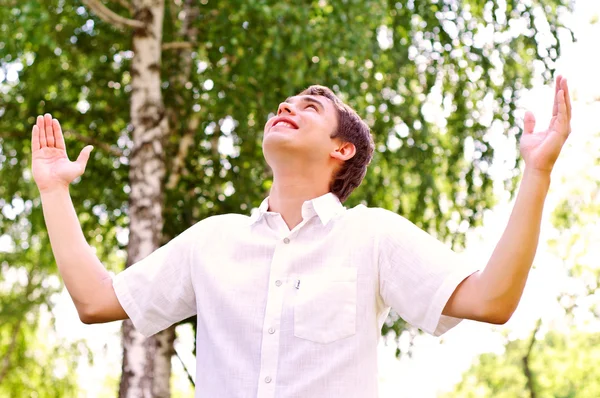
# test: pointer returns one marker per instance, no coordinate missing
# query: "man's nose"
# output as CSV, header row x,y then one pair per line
x,y
286,107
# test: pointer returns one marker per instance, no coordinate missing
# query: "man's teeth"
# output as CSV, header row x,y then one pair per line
x,y
285,124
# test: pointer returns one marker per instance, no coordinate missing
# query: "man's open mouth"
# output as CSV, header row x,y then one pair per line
x,y
285,122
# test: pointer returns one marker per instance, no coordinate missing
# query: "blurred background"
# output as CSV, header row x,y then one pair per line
x,y
444,85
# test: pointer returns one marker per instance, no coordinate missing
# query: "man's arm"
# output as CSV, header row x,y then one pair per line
x,y
492,295
86,279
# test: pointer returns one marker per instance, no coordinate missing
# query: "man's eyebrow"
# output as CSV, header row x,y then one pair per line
x,y
306,98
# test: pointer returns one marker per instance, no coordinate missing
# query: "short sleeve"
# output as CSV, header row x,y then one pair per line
x,y
158,291
417,273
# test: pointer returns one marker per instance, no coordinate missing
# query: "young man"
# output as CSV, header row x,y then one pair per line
x,y
291,301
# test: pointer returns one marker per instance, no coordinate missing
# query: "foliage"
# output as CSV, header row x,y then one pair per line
x,y
35,362
396,62
563,365
577,220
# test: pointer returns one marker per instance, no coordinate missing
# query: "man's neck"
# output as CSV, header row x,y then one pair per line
x,y
288,195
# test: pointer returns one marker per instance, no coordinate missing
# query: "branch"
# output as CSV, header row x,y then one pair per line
x,y
85,139
526,368
177,45
15,135
92,141
189,375
127,5
185,143
187,140
109,16
11,347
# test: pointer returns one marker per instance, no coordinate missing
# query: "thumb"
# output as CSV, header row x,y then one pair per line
x,y
529,123
83,157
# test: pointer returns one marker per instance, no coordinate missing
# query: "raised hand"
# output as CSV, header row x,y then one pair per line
x,y
51,166
541,149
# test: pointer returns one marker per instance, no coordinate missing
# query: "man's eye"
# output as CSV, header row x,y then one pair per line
x,y
311,106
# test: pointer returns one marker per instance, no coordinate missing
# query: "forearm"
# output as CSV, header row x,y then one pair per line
x,y
84,275
502,281
492,295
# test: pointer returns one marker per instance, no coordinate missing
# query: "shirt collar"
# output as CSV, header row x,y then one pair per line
x,y
325,207
257,214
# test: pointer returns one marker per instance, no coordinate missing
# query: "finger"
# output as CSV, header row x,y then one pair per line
x,y
529,123
35,138
556,88
565,88
42,130
48,126
58,135
561,118
84,156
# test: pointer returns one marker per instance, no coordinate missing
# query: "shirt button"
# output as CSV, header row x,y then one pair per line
x,y
271,330
278,282
286,241
267,379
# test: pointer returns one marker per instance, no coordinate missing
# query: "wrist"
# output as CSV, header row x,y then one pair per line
x,y
58,190
537,177
537,173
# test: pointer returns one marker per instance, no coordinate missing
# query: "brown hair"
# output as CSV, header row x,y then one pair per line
x,y
351,128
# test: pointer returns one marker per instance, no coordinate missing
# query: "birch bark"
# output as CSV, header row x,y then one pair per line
x,y
146,362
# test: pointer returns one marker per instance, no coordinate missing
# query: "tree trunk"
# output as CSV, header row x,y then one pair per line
x,y
178,111
146,362
529,376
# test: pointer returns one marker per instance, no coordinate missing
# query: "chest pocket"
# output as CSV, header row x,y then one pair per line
x,y
325,306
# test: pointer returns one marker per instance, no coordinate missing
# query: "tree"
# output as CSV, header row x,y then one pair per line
x,y
577,241
563,365
174,96
28,360
558,364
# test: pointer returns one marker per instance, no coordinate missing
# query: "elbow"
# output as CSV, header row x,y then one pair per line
x,y
87,316
498,319
497,315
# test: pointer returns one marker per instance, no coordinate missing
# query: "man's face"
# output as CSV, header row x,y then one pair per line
x,y
301,131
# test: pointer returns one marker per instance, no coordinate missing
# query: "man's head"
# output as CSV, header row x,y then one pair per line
x,y
316,131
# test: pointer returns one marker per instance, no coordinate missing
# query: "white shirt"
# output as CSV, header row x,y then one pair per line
x,y
293,313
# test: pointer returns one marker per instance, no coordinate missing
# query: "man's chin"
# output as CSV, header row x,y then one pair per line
x,y
276,139
278,148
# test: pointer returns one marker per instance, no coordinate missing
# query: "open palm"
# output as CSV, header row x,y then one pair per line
x,y
541,149
50,164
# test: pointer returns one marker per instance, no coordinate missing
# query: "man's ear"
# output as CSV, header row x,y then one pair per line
x,y
344,151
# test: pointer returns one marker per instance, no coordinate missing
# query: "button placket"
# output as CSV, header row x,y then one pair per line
x,y
270,341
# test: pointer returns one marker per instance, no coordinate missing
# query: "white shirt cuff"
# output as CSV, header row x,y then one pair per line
x,y
436,323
